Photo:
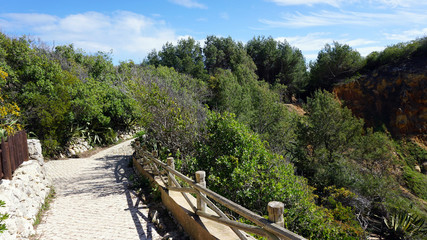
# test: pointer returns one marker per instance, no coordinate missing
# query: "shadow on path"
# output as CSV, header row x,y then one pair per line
x,y
122,172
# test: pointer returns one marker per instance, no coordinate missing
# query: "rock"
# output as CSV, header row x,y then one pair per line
x,y
72,152
35,149
417,168
24,195
392,94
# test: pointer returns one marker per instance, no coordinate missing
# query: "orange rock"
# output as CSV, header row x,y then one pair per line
x,y
390,95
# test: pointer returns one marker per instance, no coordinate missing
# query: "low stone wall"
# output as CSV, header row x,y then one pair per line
x,y
24,194
78,144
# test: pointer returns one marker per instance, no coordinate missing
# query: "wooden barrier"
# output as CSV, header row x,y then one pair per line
x,y
272,228
14,152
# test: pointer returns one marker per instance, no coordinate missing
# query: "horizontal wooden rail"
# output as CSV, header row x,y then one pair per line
x,y
264,227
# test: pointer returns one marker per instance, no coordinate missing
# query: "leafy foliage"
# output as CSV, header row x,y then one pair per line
x,y
247,138
403,225
397,53
328,130
240,167
185,57
278,62
333,65
64,93
172,107
416,181
9,114
3,217
226,54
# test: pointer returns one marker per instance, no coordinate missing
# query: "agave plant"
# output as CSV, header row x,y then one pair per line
x,y
403,224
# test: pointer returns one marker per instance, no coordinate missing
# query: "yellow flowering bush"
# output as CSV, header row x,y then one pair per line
x,y
9,113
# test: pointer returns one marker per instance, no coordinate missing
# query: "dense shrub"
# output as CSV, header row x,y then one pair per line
x,y
172,108
334,64
416,181
279,62
240,167
397,53
9,113
64,93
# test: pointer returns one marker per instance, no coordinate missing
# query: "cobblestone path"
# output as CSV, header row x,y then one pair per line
x,y
92,200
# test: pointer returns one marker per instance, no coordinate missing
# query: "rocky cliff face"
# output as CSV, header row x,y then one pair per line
x,y
395,95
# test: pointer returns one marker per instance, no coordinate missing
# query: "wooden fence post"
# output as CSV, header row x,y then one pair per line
x,y
26,152
171,164
1,166
200,179
12,159
7,170
275,212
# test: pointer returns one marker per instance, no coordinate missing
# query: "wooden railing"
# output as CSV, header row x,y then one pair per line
x,y
271,228
13,153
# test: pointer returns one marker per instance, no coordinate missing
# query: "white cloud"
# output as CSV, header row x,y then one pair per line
x,y
397,3
308,43
19,20
224,16
189,3
407,35
365,51
334,3
330,18
312,43
340,3
128,34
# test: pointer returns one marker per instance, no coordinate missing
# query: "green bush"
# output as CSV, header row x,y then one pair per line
x,y
396,53
240,167
65,93
416,181
172,108
410,152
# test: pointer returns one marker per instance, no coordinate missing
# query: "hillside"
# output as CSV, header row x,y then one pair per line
x,y
224,108
394,94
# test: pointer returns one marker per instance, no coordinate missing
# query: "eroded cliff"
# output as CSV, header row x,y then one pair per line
x,y
395,95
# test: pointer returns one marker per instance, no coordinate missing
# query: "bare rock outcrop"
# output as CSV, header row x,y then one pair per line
x,y
395,95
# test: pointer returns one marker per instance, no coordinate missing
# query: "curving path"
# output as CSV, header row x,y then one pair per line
x,y
92,200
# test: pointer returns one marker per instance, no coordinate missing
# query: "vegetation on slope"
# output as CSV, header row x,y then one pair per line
x,y
221,108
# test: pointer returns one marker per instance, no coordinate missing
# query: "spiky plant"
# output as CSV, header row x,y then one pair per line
x,y
404,225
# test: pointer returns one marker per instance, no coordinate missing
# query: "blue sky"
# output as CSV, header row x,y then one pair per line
x,y
131,28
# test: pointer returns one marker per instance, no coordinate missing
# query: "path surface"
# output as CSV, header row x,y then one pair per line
x,y
92,200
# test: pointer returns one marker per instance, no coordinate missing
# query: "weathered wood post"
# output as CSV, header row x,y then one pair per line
x,y
200,179
275,212
26,152
171,164
7,169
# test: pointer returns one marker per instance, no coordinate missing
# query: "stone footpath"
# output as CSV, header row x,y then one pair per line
x,y
93,201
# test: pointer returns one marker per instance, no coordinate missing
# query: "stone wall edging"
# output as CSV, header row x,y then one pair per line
x,y
24,194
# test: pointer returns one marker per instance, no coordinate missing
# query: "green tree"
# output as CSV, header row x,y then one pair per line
x,y
240,167
171,106
185,57
325,134
225,53
278,62
334,64
264,53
